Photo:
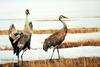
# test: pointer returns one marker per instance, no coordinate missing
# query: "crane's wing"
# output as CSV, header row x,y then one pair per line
x,y
57,37
25,41
15,37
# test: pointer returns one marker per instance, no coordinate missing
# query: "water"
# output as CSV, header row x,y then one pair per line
x,y
42,25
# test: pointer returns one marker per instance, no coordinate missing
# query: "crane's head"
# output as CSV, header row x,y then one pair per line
x,y
12,28
27,12
61,16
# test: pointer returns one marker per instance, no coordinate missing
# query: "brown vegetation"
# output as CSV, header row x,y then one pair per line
x,y
71,30
81,43
83,30
77,62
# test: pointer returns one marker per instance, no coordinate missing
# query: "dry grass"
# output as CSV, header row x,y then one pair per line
x,y
77,62
81,43
71,30
50,31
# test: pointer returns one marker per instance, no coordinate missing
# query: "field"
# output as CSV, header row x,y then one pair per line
x,y
71,30
82,61
81,46
77,62
93,61
63,62
81,43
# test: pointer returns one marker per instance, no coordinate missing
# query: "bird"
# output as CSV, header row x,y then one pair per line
x,y
14,37
55,39
20,40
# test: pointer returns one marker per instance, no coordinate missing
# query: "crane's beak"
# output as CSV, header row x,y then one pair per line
x,y
66,17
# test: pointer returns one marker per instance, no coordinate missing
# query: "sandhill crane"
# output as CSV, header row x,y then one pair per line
x,y
56,38
21,40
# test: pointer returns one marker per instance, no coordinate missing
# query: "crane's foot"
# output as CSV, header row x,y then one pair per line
x,y
16,64
50,59
59,57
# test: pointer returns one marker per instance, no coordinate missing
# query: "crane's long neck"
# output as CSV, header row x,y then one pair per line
x,y
64,24
26,27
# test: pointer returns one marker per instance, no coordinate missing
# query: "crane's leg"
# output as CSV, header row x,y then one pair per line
x,y
18,54
58,52
53,52
18,58
22,54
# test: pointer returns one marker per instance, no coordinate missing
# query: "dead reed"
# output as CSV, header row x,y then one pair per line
x,y
76,62
50,31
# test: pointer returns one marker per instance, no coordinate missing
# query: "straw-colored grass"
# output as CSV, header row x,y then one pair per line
x,y
50,31
77,62
81,43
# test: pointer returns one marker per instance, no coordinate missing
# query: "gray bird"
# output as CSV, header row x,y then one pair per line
x,y
20,40
56,38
